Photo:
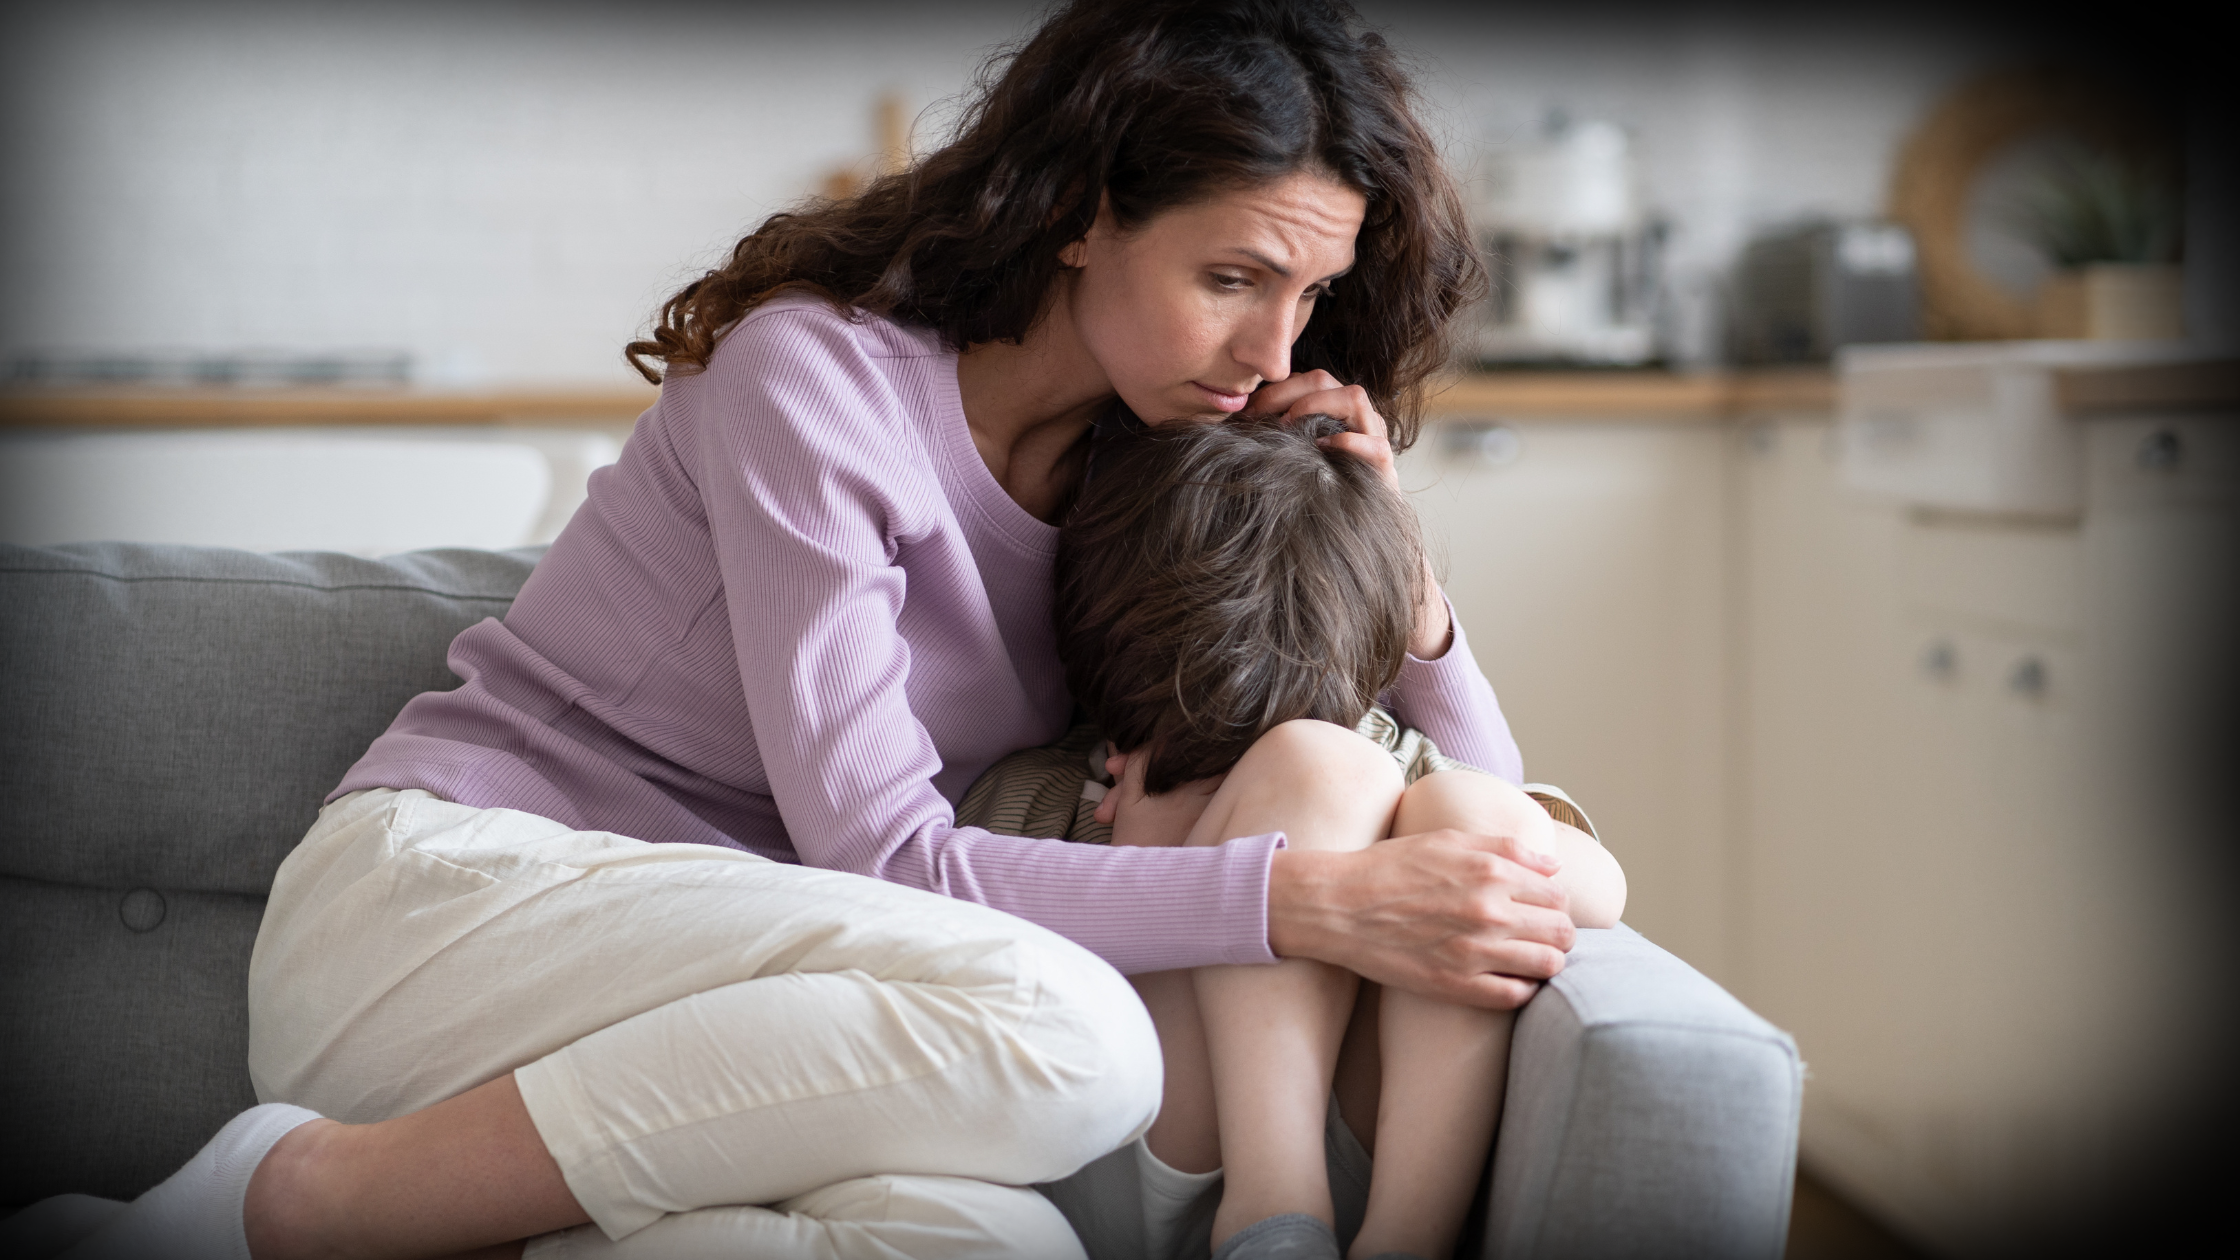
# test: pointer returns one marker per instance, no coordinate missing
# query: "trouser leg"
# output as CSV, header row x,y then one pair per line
x,y
867,1218
690,1027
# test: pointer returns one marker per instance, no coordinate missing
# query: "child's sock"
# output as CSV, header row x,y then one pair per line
x,y
1291,1236
196,1213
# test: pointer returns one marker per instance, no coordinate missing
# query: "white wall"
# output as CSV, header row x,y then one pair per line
x,y
507,190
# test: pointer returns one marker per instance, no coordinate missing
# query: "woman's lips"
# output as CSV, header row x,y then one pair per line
x,y
1222,399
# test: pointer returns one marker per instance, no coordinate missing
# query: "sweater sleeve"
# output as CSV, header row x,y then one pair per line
x,y
1450,700
802,445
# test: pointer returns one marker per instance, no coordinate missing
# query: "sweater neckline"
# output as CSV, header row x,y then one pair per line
x,y
988,497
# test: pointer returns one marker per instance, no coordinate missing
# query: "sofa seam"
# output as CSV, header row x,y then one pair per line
x,y
1776,1038
155,887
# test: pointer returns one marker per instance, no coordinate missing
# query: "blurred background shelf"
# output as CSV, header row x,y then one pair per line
x,y
219,407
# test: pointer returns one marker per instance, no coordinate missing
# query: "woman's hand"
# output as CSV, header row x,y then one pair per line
x,y
1462,918
1318,393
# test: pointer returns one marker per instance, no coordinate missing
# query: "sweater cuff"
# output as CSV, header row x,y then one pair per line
x,y
1244,897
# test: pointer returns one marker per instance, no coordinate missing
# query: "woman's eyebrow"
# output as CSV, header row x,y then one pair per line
x,y
1278,268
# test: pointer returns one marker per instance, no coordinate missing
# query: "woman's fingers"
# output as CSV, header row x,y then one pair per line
x,y
1277,396
1318,393
1373,451
1434,914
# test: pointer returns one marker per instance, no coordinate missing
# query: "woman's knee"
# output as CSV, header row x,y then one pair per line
x,y
1093,1020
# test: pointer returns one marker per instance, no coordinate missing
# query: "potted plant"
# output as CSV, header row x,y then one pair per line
x,y
2113,228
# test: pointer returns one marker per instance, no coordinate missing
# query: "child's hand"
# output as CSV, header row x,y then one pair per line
x,y
1138,818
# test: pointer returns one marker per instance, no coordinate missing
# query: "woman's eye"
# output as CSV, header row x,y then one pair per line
x,y
1316,293
1223,280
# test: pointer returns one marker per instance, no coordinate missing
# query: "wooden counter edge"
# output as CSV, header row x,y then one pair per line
x,y
2149,386
217,408
1630,395
1484,395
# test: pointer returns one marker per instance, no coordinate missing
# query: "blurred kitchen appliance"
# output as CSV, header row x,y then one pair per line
x,y
1572,253
1805,292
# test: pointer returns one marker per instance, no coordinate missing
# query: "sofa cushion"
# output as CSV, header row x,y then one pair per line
x,y
169,719
171,716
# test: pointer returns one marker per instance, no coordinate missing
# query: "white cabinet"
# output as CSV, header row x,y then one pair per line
x,y
1971,889
1588,562
1923,786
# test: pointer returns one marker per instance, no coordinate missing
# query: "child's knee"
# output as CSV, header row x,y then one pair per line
x,y
1470,800
1318,748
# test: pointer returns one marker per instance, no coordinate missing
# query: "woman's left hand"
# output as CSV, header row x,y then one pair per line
x,y
1317,393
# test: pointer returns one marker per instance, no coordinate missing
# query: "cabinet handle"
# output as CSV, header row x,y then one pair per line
x,y
1940,660
2029,678
1488,441
2161,451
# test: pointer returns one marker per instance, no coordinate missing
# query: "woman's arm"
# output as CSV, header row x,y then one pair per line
x,y
806,465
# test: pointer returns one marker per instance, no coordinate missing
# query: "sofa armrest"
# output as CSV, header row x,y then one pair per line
x,y
1649,1114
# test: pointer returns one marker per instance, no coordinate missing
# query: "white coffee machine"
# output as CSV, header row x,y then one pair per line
x,y
1572,252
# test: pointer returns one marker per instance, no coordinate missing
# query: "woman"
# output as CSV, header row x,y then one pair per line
x,y
536,954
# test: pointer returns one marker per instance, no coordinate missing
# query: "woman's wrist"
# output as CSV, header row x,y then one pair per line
x,y
1301,918
1434,622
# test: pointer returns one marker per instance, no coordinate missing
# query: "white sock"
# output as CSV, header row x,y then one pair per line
x,y
196,1213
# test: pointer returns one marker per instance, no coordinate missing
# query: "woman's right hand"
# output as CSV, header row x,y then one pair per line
x,y
1463,918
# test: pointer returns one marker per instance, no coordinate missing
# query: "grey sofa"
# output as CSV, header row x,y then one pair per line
x,y
170,718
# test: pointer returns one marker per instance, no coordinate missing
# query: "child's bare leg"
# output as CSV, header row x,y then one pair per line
x,y
1443,1067
1272,1032
1186,1135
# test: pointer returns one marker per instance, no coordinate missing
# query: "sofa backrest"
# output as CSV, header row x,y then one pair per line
x,y
170,718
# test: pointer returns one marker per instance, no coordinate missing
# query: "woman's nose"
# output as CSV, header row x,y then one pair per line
x,y
1262,343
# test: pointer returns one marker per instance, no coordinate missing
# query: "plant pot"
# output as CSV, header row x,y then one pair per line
x,y
2113,302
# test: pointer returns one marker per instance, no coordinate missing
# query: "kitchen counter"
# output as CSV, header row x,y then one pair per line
x,y
1479,395
219,407
1541,395
1634,395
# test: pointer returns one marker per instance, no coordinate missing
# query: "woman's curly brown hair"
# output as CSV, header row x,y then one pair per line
x,y
1145,105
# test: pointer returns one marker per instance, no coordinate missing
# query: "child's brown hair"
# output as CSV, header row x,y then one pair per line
x,y
1215,580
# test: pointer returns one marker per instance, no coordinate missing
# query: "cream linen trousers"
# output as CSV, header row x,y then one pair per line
x,y
728,1056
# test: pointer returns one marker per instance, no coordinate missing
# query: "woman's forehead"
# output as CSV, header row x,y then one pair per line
x,y
1301,226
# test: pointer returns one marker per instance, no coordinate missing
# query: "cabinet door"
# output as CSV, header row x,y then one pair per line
x,y
1586,560
1949,898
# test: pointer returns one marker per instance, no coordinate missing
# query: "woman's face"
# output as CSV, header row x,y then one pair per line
x,y
1193,310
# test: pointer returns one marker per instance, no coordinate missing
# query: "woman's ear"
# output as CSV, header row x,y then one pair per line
x,y
1076,252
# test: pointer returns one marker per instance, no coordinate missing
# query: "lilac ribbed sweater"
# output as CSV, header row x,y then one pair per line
x,y
799,617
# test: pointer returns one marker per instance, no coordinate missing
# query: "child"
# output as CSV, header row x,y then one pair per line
x,y
1217,586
